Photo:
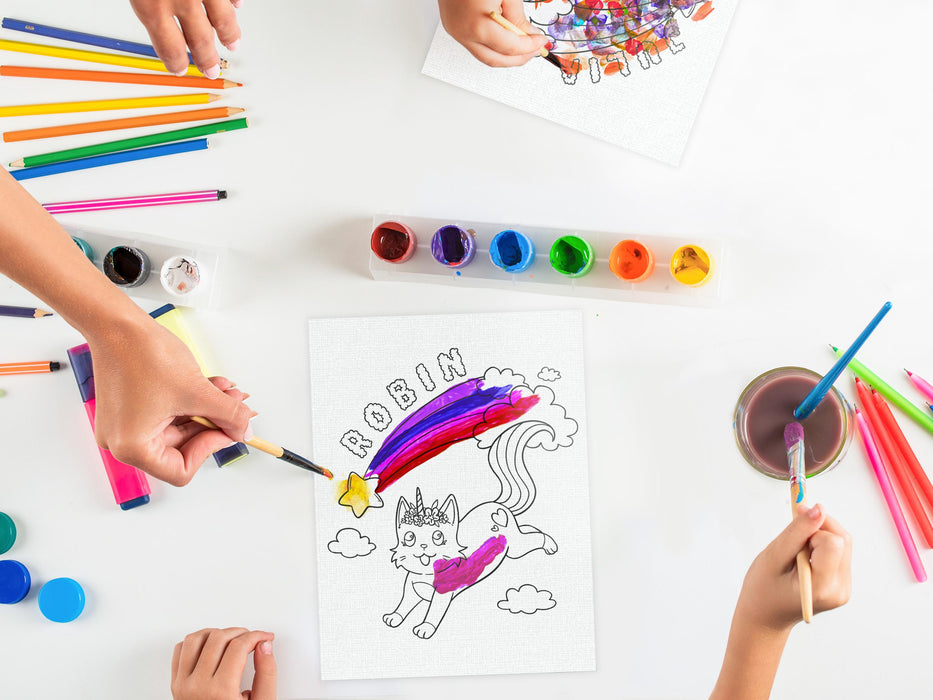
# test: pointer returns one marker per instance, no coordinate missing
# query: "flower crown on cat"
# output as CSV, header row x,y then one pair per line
x,y
418,515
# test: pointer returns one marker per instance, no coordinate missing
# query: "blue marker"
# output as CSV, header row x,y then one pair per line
x,y
816,395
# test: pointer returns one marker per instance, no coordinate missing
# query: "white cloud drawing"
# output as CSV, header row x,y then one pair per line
x,y
548,374
350,543
526,599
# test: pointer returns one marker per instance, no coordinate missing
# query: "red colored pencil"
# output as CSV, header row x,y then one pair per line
x,y
887,418
894,461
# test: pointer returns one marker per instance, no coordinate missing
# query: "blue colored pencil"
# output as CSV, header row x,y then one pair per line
x,y
816,395
68,166
81,38
23,312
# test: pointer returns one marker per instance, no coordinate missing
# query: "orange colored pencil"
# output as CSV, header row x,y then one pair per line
x,y
104,76
127,123
29,367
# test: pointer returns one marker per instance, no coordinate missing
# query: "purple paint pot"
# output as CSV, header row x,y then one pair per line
x,y
453,246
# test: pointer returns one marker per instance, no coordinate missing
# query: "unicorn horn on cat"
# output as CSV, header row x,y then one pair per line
x,y
419,504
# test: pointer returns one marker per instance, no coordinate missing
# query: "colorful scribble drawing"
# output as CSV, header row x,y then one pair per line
x,y
603,36
480,408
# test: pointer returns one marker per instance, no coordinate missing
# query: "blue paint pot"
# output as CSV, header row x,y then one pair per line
x,y
512,251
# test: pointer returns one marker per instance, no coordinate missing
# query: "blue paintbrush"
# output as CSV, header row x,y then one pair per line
x,y
813,399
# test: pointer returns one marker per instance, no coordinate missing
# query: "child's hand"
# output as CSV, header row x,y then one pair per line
x,y
147,384
199,20
770,596
208,665
468,22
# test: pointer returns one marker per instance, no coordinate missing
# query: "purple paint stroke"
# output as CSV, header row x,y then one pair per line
x,y
454,574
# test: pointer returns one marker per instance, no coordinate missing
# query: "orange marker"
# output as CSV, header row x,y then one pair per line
x,y
30,367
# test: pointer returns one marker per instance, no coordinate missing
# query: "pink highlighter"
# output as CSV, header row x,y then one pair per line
x,y
130,486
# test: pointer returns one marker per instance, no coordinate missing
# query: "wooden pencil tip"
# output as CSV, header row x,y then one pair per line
x,y
235,110
42,312
18,163
213,98
230,84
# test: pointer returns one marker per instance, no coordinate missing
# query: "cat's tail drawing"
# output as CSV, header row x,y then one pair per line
x,y
506,458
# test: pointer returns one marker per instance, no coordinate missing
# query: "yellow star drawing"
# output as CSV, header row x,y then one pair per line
x,y
361,494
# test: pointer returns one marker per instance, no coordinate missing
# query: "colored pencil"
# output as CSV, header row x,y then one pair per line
x,y
29,367
150,200
505,24
104,105
23,312
796,461
101,42
89,56
275,451
103,76
127,144
892,456
890,499
920,476
890,393
922,384
68,166
818,392
127,123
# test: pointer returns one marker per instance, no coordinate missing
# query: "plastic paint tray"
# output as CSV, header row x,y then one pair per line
x,y
158,250
540,277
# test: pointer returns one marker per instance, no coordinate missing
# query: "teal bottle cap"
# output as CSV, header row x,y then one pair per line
x,y
61,599
7,532
14,581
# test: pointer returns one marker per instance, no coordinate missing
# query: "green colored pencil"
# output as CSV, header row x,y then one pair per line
x,y
890,393
127,144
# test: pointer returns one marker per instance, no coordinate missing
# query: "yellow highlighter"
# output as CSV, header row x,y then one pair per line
x,y
171,318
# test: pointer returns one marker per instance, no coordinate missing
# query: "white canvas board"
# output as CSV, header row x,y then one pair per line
x,y
455,536
633,81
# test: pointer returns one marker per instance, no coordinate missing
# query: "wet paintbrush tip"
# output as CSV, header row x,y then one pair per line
x,y
793,433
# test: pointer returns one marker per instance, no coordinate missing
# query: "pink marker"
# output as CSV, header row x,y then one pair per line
x,y
130,486
922,384
888,492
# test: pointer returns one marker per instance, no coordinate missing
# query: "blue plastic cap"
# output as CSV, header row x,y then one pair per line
x,y
80,359
14,581
61,599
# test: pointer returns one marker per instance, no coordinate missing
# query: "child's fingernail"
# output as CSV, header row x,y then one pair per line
x,y
249,432
233,45
265,647
237,3
815,512
213,72
182,72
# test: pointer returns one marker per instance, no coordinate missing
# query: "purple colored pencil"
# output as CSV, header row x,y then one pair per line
x,y
149,200
23,312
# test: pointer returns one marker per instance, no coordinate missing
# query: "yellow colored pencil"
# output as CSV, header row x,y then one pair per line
x,y
103,105
90,56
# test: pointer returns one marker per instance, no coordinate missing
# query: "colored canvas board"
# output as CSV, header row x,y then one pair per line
x,y
455,537
634,71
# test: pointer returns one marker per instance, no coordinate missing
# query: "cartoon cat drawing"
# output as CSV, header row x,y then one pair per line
x,y
444,554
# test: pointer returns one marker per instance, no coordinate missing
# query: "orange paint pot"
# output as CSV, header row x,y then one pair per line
x,y
631,261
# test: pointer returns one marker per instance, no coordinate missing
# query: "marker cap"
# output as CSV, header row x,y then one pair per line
x,y
14,581
7,532
61,599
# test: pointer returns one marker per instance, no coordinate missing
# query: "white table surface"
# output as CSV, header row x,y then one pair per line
x,y
809,157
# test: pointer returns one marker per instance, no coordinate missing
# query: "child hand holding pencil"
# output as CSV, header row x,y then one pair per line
x,y
769,604
470,23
